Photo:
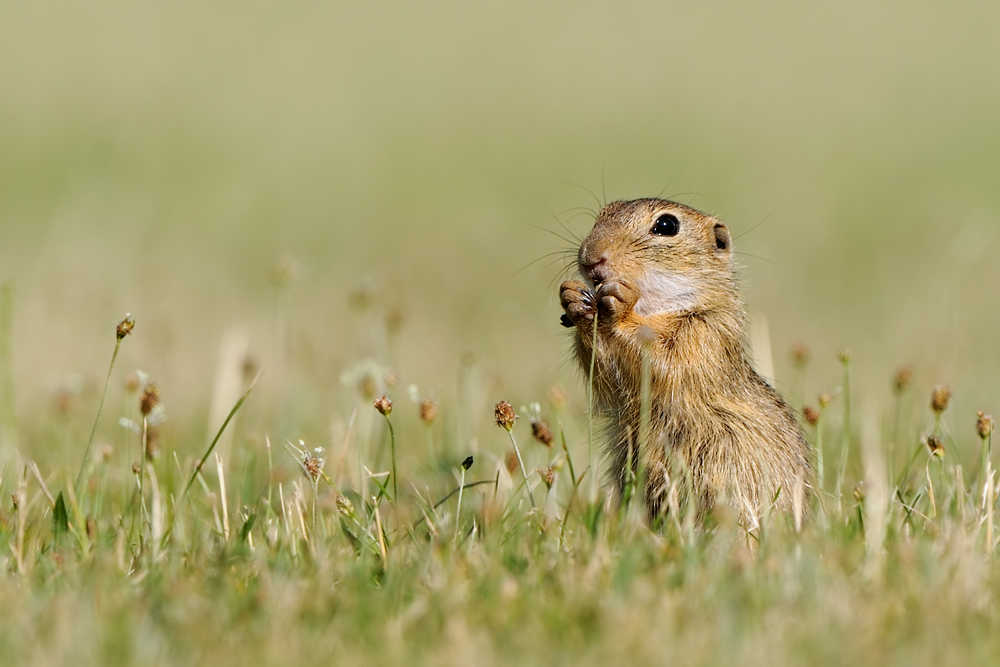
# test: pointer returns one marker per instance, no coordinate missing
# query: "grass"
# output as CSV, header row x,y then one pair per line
x,y
344,203
888,571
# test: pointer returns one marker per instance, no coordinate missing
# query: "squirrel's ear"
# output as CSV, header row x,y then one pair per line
x,y
722,239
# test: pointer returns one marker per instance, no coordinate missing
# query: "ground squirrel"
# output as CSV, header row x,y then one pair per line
x,y
660,276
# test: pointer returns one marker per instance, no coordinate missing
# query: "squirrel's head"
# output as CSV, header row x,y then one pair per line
x,y
678,258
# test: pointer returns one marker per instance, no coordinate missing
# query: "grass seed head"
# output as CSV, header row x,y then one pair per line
x,y
548,476
428,411
860,491
345,506
811,414
511,462
984,425
824,400
904,376
250,367
312,463
935,446
542,433
125,326
844,356
384,406
467,463
800,355
940,397
149,399
505,415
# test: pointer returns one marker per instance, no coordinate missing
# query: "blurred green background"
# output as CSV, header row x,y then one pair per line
x,y
166,159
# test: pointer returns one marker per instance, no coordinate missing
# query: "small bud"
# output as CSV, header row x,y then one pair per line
x,y
313,467
984,425
824,400
125,326
136,469
860,491
934,445
428,411
384,406
150,397
249,367
505,416
811,414
800,355
15,500
542,433
312,462
844,356
940,397
467,463
904,376
548,476
511,462
345,506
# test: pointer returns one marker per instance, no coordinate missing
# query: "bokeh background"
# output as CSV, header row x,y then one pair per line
x,y
271,168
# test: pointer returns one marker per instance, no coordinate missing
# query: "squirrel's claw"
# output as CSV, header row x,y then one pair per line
x,y
578,302
617,297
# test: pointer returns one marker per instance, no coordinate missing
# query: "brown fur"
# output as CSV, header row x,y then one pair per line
x,y
716,426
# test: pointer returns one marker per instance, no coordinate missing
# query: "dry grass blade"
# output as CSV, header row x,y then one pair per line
x,y
208,452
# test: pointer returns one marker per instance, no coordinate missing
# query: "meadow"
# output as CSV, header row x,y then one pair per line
x,y
305,208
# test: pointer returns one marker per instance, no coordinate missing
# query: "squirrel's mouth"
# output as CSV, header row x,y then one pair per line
x,y
596,273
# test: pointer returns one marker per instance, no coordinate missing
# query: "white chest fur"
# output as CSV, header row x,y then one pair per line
x,y
662,292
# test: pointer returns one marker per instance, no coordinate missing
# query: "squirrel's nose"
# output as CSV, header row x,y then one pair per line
x,y
596,268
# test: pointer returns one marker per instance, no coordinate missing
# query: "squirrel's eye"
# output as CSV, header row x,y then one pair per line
x,y
666,225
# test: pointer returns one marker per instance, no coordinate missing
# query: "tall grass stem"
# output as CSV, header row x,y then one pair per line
x,y
590,411
458,510
392,451
524,471
97,419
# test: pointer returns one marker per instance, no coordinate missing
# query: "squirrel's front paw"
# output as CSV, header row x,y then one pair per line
x,y
616,298
579,303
